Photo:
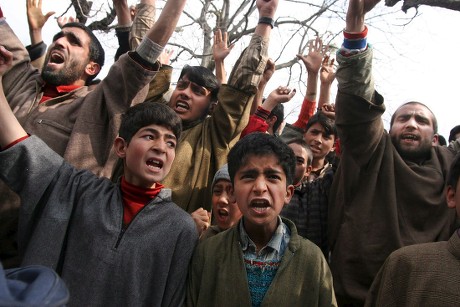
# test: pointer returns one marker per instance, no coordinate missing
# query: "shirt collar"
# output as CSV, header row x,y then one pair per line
x,y
275,242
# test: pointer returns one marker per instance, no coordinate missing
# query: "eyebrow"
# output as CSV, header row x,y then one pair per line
x,y
70,34
167,135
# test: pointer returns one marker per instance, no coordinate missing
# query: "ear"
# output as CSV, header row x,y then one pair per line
x,y
450,197
120,146
308,171
271,120
92,68
212,106
435,139
289,193
231,196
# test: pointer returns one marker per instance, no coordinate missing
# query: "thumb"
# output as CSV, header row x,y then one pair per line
x,y
48,15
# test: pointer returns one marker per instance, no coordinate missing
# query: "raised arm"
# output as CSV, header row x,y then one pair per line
x,y
10,129
327,76
36,20
220,51
312,62
143,21
249,68
266,76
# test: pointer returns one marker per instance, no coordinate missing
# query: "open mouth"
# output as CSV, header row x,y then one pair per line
x,y
154,164
56,58
410,137
182,106
222,213
260,205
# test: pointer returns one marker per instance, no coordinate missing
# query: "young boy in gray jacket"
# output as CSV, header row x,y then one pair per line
x,y
124,244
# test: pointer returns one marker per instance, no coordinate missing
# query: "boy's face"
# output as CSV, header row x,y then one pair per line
x,y
148,156
260,191
225,210
453,197
302,167
189,100
319,141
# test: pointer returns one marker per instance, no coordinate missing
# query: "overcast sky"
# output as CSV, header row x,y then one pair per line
x,y
418,61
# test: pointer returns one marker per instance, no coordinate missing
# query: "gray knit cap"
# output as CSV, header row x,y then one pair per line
x,y
222,173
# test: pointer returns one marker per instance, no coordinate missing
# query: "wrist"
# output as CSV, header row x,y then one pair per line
x,y
267,20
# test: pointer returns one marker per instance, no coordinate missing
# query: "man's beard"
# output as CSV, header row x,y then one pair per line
x,y
67,75
419,154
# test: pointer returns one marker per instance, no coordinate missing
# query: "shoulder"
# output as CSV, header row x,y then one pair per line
x,y
418,255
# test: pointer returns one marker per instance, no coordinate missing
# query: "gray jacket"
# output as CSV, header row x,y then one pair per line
x,y
71,221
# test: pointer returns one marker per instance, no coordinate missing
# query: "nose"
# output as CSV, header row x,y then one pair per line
x,y
260,186
159,146
186,91
318,139
411,123
223,199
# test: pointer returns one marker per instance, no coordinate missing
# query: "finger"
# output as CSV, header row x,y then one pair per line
x,y
224,37
292,93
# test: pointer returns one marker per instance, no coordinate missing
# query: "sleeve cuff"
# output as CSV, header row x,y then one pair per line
x,y
14,142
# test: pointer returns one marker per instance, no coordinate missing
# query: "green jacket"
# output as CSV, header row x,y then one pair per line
x,y
217,274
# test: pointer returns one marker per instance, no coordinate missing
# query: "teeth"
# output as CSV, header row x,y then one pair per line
x,y
223,212
154,163
56,58
182,105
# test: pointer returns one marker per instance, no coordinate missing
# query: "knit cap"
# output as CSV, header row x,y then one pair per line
x,y
222,173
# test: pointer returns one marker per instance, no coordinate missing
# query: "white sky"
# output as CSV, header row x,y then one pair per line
x,y
417,61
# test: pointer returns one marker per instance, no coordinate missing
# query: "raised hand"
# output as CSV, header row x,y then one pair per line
x,y
62,20
268,72
280,95
267,8
165,56
314,58
36,20
221,49
327,72
202,219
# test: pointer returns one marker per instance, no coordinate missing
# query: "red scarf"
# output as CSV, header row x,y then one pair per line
x,y
51,91
135,198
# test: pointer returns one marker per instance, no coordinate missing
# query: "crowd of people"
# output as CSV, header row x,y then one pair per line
x,y
140,194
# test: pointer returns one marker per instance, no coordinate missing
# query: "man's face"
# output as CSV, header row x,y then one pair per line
x,y
319,141
412,132
261,192
224,208
148,156
67,57
301,166
189,100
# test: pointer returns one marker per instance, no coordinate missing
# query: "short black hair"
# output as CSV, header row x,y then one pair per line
x,y
96,52
454,172
149,113
453,132
442,140
277,111
261,144
435,121
327,123
203,77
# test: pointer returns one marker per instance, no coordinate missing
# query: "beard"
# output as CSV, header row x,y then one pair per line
x,y
414,154
67,75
